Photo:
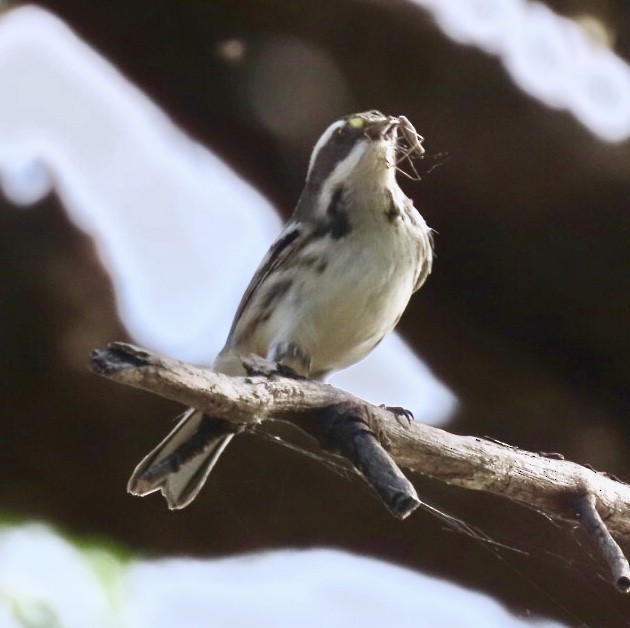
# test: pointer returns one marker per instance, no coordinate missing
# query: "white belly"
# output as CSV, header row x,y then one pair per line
x,y
338,316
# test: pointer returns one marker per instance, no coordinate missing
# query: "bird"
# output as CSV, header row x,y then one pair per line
x,y
333,284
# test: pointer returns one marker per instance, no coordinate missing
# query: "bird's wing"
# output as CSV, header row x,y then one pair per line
x,y
280,252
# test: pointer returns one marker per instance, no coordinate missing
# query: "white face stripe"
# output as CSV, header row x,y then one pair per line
x,y
326,135
340,174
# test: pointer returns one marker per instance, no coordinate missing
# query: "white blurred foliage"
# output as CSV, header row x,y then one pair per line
x,y
179,231
46,581
168,217
548,56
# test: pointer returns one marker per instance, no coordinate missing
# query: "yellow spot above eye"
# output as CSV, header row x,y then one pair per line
x,y
356,123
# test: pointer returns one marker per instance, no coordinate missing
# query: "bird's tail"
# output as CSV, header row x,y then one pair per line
x,y
181,463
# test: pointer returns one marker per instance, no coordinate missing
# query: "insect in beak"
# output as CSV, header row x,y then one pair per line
x,y
411,136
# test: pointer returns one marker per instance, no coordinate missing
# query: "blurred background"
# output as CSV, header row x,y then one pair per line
x,y
139,197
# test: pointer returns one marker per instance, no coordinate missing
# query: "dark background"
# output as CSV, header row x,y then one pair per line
x,y
525,316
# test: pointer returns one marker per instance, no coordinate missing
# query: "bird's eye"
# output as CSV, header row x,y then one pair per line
x,y
356,123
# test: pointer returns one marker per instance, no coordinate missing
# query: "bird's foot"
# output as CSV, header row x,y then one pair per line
x,y
402,415
291,360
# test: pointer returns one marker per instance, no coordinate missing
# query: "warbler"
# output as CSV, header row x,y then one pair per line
x,y
333,284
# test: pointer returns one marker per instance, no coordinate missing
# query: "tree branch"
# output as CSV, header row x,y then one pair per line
x,y
550,485
585,508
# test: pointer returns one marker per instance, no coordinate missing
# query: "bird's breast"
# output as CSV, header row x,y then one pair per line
x,y
342,307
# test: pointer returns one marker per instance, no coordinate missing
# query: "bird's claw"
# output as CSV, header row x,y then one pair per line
x,y
290,358
399,413
256,366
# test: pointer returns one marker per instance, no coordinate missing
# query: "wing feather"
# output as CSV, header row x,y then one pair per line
x,y
282,250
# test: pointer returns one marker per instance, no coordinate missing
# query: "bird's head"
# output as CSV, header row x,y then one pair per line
x,y
367,143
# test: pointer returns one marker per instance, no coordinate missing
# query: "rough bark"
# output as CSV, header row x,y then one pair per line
x,y
559,488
